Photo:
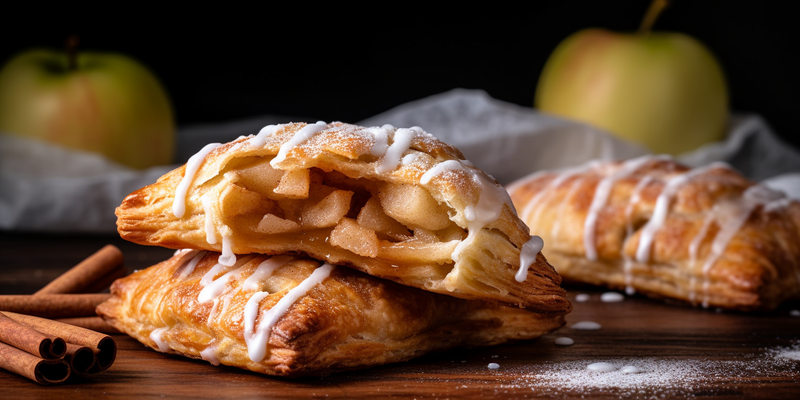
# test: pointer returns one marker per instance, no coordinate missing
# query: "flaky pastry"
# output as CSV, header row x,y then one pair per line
x,y
294,316
706,236
394,203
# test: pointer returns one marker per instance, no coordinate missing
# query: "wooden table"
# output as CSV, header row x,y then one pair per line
x,y
682,352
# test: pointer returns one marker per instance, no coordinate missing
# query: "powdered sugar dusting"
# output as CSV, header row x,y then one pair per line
x,y
602,367
789,354
646,377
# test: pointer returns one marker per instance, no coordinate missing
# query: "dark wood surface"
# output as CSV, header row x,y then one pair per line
x,y
683,352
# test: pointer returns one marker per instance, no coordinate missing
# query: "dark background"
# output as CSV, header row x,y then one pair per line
x,y
350,60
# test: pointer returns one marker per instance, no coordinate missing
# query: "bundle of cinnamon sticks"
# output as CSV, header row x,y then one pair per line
x,y
55,333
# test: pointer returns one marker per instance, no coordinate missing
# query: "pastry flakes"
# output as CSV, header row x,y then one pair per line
x,y
706,236
291,316
394,203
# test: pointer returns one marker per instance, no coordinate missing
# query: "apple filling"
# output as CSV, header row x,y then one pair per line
x,y
338,217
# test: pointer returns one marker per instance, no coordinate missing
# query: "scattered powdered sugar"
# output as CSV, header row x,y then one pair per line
x,y
586,325
581,297
647,377
611,297
790,354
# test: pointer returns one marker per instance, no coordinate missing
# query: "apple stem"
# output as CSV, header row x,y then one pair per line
x,y
656,6
72,52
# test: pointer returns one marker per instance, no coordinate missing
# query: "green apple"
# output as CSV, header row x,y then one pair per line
x,y
663,90
100,102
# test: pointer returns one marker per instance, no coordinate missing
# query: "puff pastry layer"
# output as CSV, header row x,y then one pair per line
x,y
706,236
394,203
291,316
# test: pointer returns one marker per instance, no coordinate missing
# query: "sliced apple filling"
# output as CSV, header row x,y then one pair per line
x,y
393,222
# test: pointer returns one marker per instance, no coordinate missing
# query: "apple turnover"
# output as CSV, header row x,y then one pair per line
x,y
394,203
294,316
706,236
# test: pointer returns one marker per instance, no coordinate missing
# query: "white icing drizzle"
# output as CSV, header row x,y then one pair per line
x,y
257,338
213,313
255,341
490,205
440,168
157,335
393,154
210,353
491,198
694,247
179,251
527,256
301,136
189,268
227,257
662,209
213,289
264,271
211,274
179,202
409,159
600,198
261,138
211,238
627,266
381,135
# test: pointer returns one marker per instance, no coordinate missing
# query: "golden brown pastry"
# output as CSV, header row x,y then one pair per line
x,y
394,203
706,236
291,316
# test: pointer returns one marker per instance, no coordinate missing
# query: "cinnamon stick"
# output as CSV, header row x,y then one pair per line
x,y
104,346
87,272
53,305
94,323
45,372
30,340
81,359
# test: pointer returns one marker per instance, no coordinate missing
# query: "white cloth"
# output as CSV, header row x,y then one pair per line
x,y
50,189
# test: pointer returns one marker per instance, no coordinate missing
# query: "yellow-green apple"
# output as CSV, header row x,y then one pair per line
x,y
661,89
101,102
